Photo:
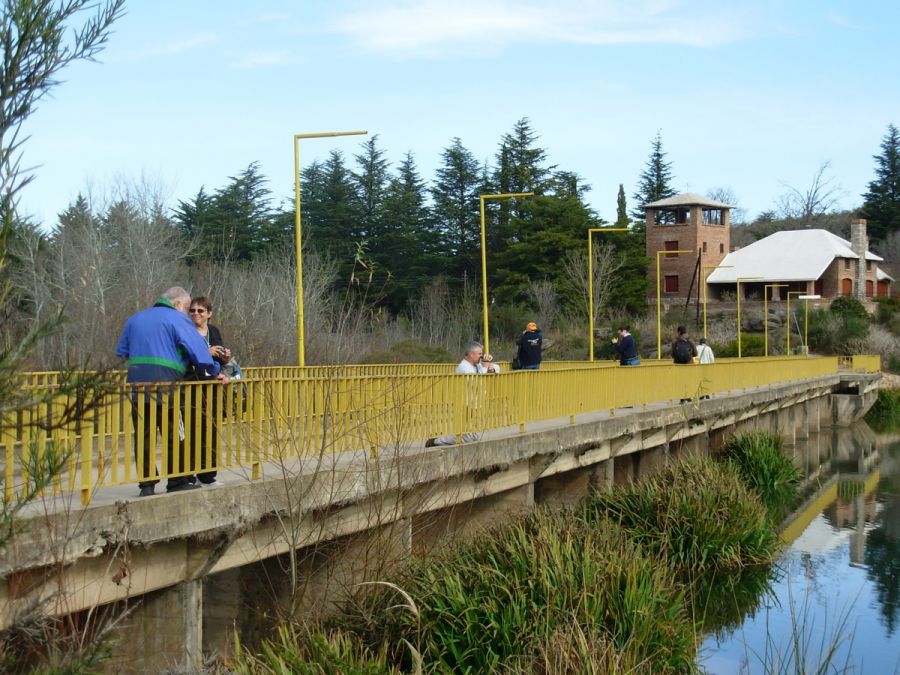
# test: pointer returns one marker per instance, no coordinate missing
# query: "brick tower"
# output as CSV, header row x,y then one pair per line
x,y
685,222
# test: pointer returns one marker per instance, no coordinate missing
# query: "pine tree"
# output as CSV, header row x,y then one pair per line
x,y
234,223
371,180
656,180
331,213
406,236
882,200
455,194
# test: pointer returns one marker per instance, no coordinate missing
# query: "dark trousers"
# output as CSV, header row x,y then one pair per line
x,y
204,426
146,401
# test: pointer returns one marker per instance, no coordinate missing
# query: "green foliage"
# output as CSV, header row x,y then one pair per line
x,y
885,412
497,599
655,181
236,222
836,332
301,650
846,306
697,515
760,460
410,351
751,345
882,200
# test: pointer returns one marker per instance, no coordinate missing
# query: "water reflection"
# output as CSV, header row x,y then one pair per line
x,y
832,600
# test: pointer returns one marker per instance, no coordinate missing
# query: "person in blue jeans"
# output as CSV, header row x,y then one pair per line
x,y
530,344
626,348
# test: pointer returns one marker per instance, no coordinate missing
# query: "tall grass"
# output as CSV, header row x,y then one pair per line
x,y
301,650
698,515
759,459
608,587
544,591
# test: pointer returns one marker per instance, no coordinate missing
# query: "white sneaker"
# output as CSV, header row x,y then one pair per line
x,y
215,483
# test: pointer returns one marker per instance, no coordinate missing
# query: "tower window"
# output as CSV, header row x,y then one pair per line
x,y
671,283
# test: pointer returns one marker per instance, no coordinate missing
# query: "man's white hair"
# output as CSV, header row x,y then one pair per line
x,y
176,293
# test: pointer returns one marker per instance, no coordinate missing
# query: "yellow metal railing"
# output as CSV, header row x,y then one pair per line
x,y
288,413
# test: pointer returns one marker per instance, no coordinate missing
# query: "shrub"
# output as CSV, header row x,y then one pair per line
x,y
848,306
699,515
410,351
885,413
751,345
760,460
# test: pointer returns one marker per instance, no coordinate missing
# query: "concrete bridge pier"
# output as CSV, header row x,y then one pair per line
x,y
164,632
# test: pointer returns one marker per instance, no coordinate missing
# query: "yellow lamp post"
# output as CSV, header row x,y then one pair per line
x,y
659,301
806,299
298,232
710,268
789,294
484,294
738,281
766,313
591,280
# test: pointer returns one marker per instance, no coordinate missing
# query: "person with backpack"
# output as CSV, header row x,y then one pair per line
x,y
683,349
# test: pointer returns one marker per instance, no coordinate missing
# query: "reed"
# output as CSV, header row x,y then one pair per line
x,y
304,650
541,592
759,459
698,515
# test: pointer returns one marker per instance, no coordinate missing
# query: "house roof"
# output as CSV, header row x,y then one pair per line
x,y
881,275
789,255
686,199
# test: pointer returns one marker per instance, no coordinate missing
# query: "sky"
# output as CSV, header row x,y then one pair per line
x,y
748,95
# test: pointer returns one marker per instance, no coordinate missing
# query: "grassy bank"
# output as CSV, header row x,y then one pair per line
x,y
612,586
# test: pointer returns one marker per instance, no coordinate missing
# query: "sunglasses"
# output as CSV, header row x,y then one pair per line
x,y
196,310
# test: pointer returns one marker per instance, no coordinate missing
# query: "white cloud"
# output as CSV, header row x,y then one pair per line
x,y
435,27
178,46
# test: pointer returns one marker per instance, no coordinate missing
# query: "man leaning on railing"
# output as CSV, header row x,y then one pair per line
x,y
160,344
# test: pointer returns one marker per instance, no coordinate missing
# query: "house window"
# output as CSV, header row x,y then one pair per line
x,y
671,283
868,265
721,248
671,246
846,263
704,247
712,216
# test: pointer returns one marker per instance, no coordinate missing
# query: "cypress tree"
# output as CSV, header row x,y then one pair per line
x,y
621,210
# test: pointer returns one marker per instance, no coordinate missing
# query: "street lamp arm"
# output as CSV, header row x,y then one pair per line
x,y
298,233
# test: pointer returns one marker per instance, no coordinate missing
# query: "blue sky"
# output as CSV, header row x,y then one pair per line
x,y
749,95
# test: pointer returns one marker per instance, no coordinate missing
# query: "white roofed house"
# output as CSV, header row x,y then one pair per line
x,y
815,262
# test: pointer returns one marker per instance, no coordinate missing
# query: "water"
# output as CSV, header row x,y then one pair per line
x,y
832,602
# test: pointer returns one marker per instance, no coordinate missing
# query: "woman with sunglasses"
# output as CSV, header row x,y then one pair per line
x,y
201,312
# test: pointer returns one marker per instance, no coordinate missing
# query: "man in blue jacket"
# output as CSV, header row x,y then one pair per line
x,y
161,343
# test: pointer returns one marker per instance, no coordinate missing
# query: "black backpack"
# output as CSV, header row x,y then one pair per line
x,y
682,352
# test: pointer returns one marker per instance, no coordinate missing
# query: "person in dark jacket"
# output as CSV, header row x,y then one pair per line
x,y
161,344
204,438
626,348
530,344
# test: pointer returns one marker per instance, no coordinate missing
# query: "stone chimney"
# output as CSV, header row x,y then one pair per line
x,y
859,242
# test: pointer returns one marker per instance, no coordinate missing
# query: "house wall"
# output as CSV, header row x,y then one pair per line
x,y
838,271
